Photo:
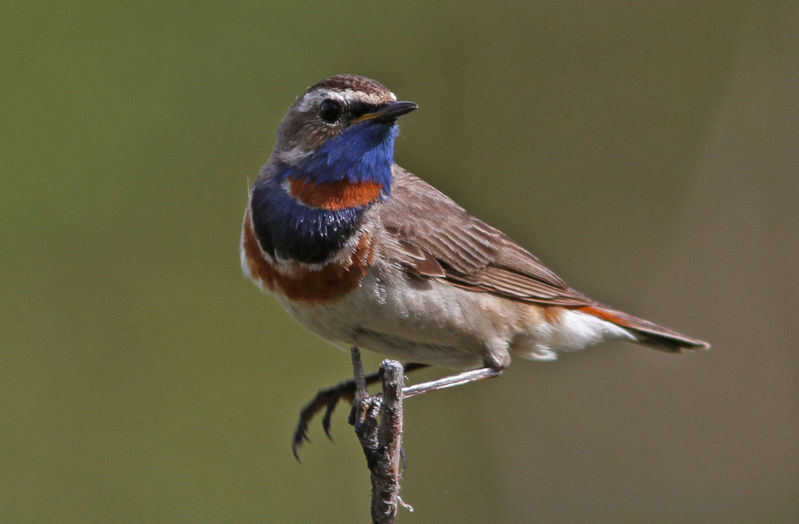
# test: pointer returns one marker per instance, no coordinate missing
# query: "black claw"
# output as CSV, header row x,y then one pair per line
x,y
331,405
351,416
294,445
328,399
300,434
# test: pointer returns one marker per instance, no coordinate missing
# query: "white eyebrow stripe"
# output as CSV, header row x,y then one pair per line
x,y
314,98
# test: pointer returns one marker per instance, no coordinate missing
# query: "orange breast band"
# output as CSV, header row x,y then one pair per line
x,y
334,195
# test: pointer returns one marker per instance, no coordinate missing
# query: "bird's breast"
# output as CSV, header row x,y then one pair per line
x,y
303,282
334,195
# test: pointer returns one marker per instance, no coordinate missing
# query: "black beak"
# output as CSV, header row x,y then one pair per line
x,y
388,112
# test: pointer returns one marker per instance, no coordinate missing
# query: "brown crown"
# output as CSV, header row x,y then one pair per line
x,y
354,82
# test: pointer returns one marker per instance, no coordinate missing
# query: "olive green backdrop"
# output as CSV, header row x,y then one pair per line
x,y
645,150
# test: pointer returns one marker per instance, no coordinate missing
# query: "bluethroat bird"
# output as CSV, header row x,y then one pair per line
x,y
362,252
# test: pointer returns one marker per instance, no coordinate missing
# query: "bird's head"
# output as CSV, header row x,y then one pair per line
x,y
342,128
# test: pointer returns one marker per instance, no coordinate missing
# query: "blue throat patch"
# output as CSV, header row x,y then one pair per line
x,y
288,229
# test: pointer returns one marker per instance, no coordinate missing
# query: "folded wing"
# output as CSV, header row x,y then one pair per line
x,y
432,236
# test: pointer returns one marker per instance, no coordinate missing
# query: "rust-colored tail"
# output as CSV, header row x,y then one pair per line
x,y
647,332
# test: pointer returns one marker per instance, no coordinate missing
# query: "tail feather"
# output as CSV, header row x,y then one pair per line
x,y
646,332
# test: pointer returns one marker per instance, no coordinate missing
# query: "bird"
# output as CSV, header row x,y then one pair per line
x,y
364,253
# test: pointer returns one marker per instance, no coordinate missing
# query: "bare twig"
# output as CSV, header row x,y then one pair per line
x,y
381,441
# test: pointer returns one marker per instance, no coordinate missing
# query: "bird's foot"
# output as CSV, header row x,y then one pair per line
x,y
328,399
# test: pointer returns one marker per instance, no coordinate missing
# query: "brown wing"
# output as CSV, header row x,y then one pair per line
x,y
432,236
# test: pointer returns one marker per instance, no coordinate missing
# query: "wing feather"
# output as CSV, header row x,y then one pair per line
x,y
434,237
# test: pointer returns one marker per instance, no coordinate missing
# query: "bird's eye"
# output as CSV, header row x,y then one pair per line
x,y
330,110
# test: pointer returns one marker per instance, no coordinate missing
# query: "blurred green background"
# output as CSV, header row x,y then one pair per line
x,y
647,151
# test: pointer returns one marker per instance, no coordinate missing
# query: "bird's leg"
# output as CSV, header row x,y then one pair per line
x,y
328,399
357,372
361,404
451,381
